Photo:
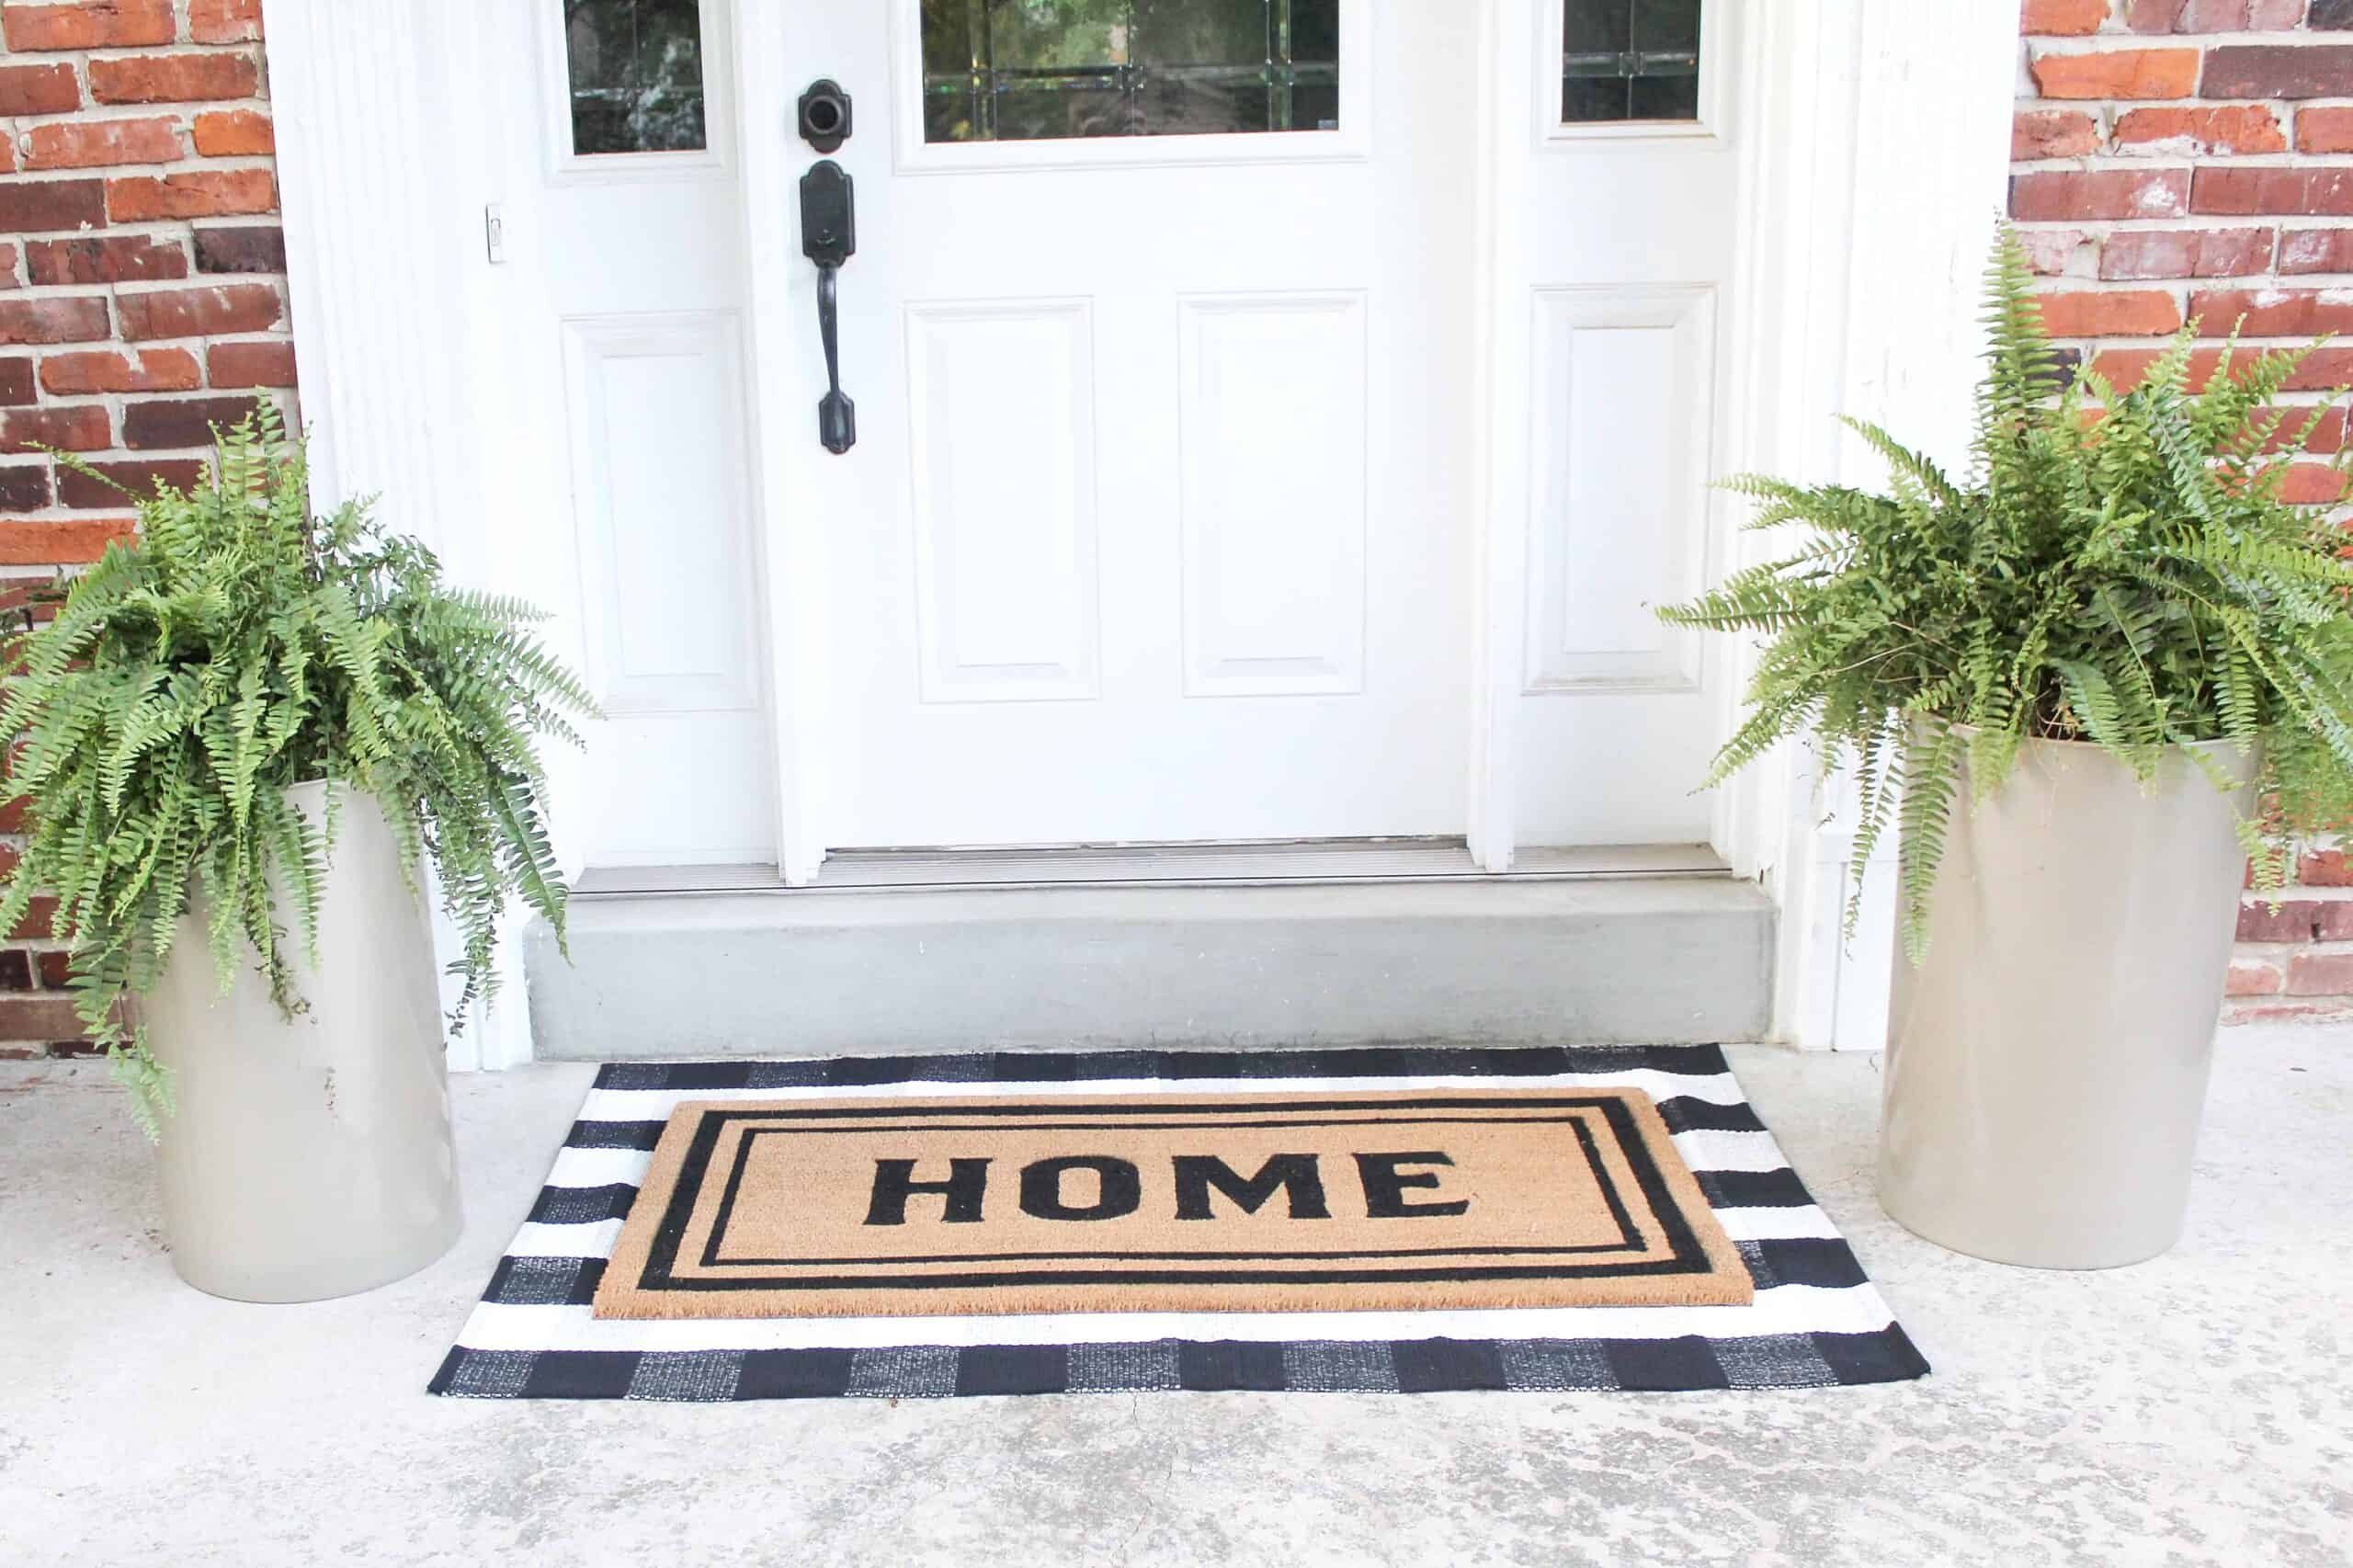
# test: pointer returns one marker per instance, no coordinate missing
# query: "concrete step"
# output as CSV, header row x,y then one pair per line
x,y
1658,960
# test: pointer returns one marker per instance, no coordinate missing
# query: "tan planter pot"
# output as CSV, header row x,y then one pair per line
x,y
2047,1062
310,1157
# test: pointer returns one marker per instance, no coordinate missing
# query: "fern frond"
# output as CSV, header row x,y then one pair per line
x,y
239,646
2118,570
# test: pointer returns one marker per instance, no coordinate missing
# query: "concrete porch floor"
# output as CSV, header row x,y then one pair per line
x,y
2190,1410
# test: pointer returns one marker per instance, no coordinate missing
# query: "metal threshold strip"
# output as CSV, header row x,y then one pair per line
x,y
1292,864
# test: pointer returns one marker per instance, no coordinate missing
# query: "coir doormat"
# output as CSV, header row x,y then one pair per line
x,y
1316,1201
1759,1290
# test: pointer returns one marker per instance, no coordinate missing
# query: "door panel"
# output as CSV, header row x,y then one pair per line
x,y
651,400
1002,452
1624,377
1274,499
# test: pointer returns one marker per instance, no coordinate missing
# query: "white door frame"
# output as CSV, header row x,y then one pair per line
x,y
384,115
799,612
1874,147
1872,176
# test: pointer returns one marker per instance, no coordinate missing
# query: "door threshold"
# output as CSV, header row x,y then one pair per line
x,y
1301,863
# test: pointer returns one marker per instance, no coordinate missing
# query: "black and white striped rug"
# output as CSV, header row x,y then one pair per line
x,y
1817,1320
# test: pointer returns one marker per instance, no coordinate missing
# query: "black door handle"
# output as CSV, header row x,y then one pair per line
x,y
829,238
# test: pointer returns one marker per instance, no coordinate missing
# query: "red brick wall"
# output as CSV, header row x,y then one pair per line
x,y
2178,159
141,296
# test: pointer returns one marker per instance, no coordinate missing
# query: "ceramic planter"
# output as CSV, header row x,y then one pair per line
x,y
2047,1062
310,1157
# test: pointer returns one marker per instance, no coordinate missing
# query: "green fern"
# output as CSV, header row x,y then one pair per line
x,y
2118,568
239,646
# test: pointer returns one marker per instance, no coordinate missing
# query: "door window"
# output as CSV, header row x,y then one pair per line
x,y
1625,60
1054,70
634,75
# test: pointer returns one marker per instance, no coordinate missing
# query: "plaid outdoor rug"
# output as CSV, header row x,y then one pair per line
x,y
1815,1320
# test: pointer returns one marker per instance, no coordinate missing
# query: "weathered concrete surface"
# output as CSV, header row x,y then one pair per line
x,y
2190,1410
1658,959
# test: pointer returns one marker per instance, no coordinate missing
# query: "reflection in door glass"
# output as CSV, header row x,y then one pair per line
x,y
1630,60
636,75
1043,70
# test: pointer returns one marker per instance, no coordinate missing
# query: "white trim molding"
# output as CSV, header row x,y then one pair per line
x,y
1499,600
1872,176
792,542
383,176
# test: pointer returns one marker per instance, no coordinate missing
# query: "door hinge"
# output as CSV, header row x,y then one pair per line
x,y
493,232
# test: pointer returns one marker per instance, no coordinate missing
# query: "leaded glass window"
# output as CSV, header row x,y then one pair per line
x,y
1047,70
635,69
1630,60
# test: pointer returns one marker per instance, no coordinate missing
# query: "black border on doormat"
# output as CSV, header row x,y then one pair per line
x,y
1816,1271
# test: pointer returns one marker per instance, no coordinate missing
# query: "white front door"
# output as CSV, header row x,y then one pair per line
x,y
1274,419
1159,333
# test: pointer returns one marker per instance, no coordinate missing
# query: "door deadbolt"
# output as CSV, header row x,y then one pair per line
x,y
824,115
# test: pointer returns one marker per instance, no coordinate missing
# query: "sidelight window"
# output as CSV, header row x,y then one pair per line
x,y
635,75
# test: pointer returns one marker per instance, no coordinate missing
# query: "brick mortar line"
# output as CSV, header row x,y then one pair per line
x,y
135,288
181,112
179,49
136,228
18,126
148,285
2096,108
2186,223
93,112
2289,284
2041,44
2145,340
2234,283
2026,93
119,403
136,285
2150,163
50,401
64,401
189,163
126,455
2158,163
2154,339
192,164
147,225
